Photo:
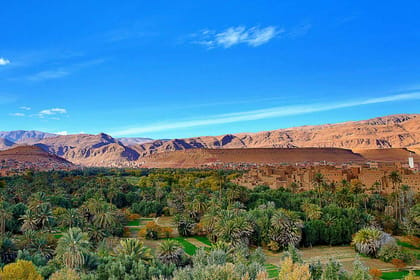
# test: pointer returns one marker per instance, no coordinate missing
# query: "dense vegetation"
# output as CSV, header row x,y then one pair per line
x,y
70,225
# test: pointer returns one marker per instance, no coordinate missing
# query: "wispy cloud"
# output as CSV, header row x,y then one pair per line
x,y
53,111
265,114
47,75
26,108
52,114
4,61
59,72
17,114
253,36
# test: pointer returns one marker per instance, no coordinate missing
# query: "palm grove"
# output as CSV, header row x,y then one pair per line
x,y
70,225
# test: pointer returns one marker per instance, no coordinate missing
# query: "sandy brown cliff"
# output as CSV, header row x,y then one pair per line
x,y
396,131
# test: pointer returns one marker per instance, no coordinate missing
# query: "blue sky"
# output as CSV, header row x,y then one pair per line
x,y
171,69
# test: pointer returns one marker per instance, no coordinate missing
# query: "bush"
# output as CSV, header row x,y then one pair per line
x,y
391,251
20,270
153,231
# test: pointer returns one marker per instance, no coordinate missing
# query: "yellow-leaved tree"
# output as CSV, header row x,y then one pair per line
x,y
20,270
294,271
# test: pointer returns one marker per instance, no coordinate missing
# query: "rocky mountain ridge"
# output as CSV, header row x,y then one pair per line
x,y
395,131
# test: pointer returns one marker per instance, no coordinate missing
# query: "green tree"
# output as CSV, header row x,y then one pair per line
x,y
72,248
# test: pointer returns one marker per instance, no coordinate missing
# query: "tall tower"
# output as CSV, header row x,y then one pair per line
x,y
411,160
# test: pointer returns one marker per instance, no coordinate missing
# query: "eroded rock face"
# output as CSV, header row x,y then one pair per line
x,y
90,150
397,131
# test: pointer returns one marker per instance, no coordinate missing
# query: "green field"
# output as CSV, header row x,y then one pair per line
x,y
397,274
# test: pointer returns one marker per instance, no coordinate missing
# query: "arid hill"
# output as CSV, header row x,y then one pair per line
x,y
31,157
396,154
24,136
5,144
90,150
199,157
396,131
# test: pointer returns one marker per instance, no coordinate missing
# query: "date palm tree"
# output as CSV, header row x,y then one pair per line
x,y
71,218
234,228
44,216
170,252
5,215
369,241
30,221
72,248
286,229
134,248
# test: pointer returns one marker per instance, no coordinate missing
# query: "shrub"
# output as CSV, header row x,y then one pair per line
x,y
375,273
398,263
65,274
153,231
20,270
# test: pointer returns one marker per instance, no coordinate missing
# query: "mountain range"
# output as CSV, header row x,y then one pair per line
x,y
395,131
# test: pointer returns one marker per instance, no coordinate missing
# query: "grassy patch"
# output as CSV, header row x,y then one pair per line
x,y
272,270
58,235
133,223
203,239
406,244
189,248
397,274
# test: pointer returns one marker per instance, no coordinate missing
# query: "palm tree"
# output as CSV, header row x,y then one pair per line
x,y
71,218
395,178
377,187
233,228
36,200
72,247
134,248
170,252
312,211
369,241
30,221
96,234
105,219
318,180
285,229
5,215
45,218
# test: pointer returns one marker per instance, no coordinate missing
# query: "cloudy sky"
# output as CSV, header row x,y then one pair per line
x,y
166,69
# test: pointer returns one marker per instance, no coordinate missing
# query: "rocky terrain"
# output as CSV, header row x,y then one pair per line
x,y
396,131
90,150
30,157
24,136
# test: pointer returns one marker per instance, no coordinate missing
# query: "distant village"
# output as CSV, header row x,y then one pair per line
x,y
10,167
371,176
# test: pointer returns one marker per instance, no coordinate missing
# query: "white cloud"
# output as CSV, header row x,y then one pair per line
x,y
53,111
50,113
4,61
265,114
17,114
62,133
254,36
25,108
